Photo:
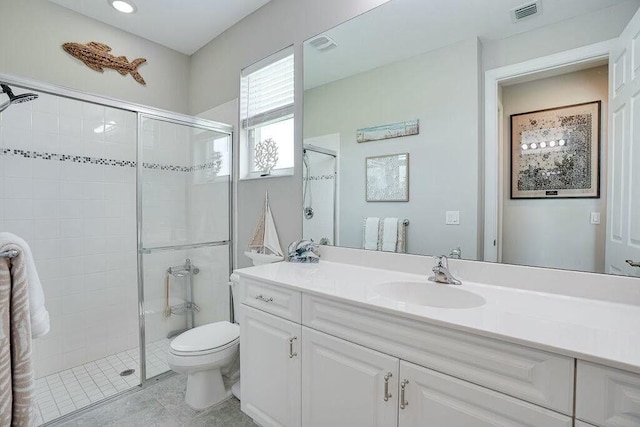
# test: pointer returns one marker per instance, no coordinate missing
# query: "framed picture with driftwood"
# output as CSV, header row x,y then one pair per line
x,y
555,153
387,178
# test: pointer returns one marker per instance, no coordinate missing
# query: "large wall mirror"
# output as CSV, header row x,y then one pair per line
x,y
406,80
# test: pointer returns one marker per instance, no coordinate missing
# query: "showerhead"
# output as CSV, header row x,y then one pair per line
x,y
15,99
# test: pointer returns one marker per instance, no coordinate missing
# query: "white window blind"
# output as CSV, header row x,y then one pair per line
x,y
267,93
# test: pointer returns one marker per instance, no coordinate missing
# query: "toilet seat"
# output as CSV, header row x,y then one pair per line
x,y
205,339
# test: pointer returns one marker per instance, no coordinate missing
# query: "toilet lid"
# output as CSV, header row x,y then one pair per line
x,y
206,337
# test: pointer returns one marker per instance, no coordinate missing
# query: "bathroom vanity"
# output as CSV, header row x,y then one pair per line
x,y
345,344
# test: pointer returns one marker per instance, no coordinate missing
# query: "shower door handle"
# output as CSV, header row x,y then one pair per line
x,y
633,263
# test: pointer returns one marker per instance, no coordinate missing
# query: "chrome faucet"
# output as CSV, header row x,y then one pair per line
x,y
441,273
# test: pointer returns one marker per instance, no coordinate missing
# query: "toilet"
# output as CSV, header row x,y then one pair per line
x,y
210,356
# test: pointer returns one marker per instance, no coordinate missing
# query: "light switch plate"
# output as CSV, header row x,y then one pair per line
x,y
452,218
595,218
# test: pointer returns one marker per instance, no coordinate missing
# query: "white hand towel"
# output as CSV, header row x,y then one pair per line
x,y
40,323
389,234
370,236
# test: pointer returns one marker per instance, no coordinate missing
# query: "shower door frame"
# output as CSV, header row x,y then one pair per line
x,y
155,113
192,122
333,154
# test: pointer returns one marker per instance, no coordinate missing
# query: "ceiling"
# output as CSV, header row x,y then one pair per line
x,y
401,29
182,25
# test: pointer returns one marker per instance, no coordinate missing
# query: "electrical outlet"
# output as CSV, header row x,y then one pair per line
x,y
595,218
452,218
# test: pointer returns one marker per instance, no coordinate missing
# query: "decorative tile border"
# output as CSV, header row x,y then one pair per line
x,y
27,154
320,178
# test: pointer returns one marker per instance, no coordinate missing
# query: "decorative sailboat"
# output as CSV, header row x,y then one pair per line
x,y
264,247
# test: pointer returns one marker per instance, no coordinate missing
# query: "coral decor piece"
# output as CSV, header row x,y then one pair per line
x,y
266,156
97,57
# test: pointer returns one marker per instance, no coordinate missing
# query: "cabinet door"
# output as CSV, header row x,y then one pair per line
x,y
344,384
270,368
433,399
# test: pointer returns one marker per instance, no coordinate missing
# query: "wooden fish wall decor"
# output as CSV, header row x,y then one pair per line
x,y
96,56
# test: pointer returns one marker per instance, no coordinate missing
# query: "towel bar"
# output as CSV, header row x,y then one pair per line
x,y
405,222
11,253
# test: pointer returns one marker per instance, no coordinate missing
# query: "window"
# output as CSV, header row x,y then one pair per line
x,y
266,115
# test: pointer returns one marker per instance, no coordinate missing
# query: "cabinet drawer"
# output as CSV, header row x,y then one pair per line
x,y
276,300
607,396
526,373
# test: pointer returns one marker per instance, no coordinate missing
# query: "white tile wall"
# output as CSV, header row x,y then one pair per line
x,y
79,220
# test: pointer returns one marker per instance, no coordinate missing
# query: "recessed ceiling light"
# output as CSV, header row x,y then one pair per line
x,y
123,6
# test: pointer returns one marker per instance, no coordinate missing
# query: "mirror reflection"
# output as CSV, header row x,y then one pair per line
x,y
407,78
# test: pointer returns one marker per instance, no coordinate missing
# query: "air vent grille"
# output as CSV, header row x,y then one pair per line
x,y
322,43
526,11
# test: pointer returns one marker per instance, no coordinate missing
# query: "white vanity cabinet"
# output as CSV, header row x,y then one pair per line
x,y
344,384
270,361
428,397
607,396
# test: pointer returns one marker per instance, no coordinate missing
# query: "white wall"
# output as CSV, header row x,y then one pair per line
x,y
555,233
215,80
33,31
440,88
582,30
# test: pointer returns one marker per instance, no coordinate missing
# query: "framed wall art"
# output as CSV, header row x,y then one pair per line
x,y
394,130
555,153
387,178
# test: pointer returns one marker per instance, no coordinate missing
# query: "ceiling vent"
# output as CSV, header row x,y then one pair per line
x,y
526,11
322,43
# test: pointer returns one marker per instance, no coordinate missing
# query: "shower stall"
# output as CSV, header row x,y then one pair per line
x,y
127,212
319,194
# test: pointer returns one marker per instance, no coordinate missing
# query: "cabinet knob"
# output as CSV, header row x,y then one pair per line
x,y
403,385
387,395
291,353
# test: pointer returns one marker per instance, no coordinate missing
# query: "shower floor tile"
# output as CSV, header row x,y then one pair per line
x,y
67,391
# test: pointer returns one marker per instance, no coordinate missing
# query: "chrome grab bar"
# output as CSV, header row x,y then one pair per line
x,y
11,253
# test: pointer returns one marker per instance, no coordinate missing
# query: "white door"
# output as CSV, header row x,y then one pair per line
x,y
429,398
344,384
270,368
623,200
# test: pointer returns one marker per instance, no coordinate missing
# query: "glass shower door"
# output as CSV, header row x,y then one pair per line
x,y
319,195
184,204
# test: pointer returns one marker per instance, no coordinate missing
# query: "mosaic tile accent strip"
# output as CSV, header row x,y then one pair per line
x,y
27,154
72,389
320,177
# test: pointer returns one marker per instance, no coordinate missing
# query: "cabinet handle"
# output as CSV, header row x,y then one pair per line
x,y
403,403
387,395
291,353
262,298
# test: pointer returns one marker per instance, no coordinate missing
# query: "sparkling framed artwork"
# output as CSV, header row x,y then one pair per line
x,y
387,178
555,153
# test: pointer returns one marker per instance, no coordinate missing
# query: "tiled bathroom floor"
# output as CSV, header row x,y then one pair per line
x,y
66,391
160,403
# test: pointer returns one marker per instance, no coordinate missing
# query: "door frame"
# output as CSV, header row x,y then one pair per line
x,y
493,185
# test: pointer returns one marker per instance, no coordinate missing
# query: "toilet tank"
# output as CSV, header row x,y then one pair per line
x,y
234,281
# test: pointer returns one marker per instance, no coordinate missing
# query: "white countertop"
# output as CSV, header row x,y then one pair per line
x,y
587,329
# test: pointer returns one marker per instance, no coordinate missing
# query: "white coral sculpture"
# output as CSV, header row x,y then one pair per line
x,y
266,156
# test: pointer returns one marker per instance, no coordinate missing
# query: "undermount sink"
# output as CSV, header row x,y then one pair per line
x,y
429,294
